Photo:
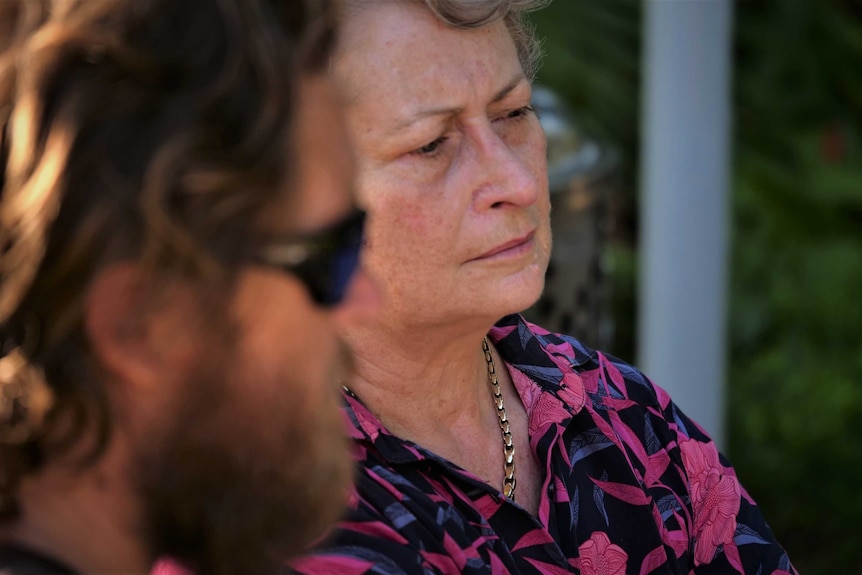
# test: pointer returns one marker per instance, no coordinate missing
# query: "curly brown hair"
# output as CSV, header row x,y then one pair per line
x,y
156,130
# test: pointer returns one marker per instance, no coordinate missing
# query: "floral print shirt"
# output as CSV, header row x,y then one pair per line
x,y
631,485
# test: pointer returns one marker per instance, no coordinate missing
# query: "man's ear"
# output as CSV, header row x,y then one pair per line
x,y
132,321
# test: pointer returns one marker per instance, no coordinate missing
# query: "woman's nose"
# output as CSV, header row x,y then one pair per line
x,y
508,174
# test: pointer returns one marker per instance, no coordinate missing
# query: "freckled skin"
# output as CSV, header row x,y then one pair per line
x,y
484,185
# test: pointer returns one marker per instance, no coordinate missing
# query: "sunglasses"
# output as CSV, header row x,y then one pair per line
x,y
324,261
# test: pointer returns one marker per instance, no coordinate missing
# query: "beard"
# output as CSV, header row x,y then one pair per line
x,y
239,484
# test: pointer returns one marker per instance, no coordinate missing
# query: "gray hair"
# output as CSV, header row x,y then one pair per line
x,y
467,14
479,13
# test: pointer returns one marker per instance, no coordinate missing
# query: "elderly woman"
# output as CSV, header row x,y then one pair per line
x,y
488,445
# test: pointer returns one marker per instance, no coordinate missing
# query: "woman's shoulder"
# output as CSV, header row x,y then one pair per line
x,y
548,358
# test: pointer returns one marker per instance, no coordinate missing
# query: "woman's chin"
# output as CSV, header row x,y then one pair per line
x,y
518,292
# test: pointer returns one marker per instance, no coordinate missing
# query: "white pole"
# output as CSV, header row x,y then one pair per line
x,y
684,204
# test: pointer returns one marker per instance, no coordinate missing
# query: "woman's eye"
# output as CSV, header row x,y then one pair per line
x,y
520,112
431,148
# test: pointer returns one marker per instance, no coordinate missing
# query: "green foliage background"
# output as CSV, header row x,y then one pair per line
x,y
795,366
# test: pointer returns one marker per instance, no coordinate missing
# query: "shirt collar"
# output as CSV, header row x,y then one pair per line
x,y
550,361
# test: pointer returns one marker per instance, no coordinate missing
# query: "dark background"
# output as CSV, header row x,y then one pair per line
x,y
794,417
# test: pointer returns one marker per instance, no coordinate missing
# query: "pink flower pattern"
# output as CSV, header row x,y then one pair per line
x,y
714,496
601,557
629,485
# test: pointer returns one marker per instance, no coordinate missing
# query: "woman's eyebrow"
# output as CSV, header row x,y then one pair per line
x,y
510,86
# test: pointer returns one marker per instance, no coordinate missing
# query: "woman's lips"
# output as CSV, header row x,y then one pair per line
x,y
512,248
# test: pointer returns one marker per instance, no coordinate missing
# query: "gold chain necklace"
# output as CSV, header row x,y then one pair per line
x,y
508,448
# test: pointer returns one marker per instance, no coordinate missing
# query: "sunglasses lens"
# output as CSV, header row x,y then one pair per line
x,y
342,268
325,263
329,286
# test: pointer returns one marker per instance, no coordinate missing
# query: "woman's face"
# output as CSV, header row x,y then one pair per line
x,y
451,165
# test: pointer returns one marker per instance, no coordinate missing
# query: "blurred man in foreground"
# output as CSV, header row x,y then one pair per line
x,y
175,258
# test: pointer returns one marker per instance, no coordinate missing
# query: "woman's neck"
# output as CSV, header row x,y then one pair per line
x,y
423,383
434,390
